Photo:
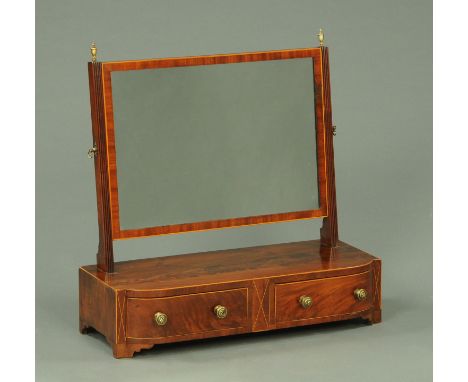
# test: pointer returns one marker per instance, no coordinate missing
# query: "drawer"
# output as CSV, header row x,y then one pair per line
x,y
329,297
186,314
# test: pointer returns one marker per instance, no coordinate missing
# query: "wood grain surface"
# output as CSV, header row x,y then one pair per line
x,y
193,313
260,286
329,230
109,67
330,297
105,253
142,277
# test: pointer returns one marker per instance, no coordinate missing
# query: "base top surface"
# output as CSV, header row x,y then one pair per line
x,y
232,265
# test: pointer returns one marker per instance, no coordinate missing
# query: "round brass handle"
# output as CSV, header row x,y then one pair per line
x,y
305,301
220,311
360,294
160,318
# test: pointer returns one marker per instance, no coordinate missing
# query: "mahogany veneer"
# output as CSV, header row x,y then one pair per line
x,y
260,287
106,174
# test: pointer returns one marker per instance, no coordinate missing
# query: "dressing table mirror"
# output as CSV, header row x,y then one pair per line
x,y
209,142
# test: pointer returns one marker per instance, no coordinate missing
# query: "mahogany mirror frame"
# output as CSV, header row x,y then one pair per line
x,y
104,151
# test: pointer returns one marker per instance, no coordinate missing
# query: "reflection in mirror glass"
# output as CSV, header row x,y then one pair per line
x,y
214,142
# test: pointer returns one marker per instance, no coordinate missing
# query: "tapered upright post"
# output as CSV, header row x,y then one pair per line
x,y
329,230
105,254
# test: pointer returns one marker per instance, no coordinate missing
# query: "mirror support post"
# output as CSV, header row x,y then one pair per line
x,y
105,255
329,230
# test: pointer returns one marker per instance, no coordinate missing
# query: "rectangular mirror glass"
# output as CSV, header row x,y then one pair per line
x,y
210,142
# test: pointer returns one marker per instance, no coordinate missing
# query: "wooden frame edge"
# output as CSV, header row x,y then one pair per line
x,y
323,162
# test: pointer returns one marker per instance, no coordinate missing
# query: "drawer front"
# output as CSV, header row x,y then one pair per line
x,y
329,297
186,314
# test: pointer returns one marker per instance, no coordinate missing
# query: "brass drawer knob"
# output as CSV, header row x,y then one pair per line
x,y
305,301
220,311
160,319
360,294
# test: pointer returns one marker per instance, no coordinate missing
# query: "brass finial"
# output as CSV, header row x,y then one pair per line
x,y
320,36
93,52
